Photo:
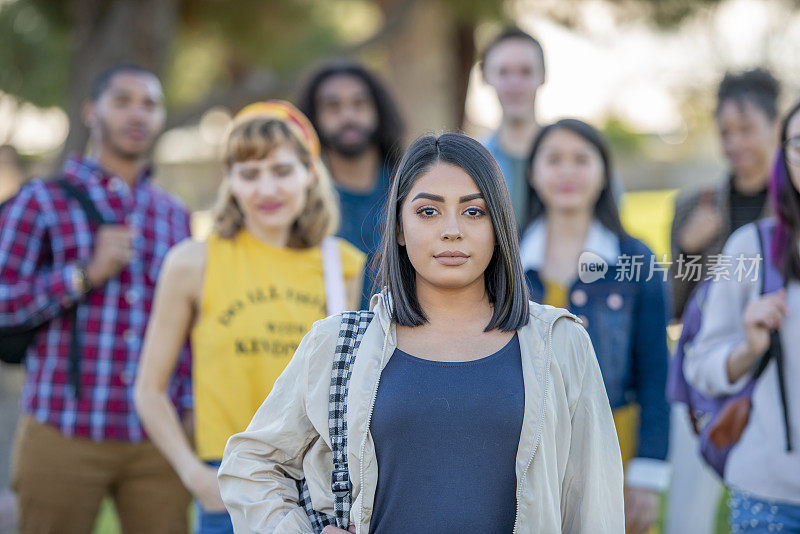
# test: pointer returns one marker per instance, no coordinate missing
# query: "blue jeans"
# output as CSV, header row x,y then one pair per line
x,y
756,516
211,522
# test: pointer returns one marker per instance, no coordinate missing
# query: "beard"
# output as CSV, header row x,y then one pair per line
x,y
111,140
351,149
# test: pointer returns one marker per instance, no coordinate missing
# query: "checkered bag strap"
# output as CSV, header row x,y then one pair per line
x,y
352,329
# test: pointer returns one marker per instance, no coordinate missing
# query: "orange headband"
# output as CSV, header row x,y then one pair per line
x,y
285,112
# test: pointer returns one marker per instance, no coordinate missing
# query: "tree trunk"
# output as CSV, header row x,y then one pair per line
x,y
421,69
465,59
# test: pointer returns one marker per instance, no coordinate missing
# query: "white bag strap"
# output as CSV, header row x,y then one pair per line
x,y
335,294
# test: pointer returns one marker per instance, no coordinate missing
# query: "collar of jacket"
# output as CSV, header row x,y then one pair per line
x,y
536,348
80,167
599,240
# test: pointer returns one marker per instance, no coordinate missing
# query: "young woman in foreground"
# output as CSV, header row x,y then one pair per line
x,y
470,409
482,411
244,297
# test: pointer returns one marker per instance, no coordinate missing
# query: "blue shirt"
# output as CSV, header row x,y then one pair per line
x,y
446,437
515,172
362,224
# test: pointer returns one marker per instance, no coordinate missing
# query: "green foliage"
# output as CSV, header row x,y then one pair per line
x,y
215,44
278,34
34,51
477,10
620,137
668,14
218,44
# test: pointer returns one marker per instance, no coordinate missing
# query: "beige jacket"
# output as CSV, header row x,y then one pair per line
x,y
569,469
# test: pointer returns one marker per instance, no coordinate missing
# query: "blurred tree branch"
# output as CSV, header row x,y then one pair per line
x,y
231,52
260,83
55,49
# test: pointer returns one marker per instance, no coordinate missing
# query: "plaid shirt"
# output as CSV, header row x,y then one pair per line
x,y
43,237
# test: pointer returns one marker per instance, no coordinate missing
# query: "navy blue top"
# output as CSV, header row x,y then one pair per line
x,y
446,437
362,221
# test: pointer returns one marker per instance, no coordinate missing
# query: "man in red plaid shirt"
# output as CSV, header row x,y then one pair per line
x,y
80,438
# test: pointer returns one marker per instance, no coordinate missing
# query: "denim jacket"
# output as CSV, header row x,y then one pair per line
x,y
626,320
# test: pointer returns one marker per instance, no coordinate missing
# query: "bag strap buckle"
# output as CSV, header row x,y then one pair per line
x,y
340,481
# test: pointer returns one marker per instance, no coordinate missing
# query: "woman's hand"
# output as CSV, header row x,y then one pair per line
x,y
761,317
202,482
333,530
641,508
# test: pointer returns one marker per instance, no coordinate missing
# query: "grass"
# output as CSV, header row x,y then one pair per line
x,y
647,215
107,522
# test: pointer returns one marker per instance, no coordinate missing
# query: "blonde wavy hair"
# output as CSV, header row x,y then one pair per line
x,y
254,136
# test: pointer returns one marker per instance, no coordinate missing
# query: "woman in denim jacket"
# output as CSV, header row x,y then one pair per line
x,y
577,256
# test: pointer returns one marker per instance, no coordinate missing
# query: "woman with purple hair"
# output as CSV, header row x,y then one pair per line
x,y
763,467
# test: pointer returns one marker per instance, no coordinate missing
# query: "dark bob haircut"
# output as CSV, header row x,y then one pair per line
x,y
504,277
605,209
390,124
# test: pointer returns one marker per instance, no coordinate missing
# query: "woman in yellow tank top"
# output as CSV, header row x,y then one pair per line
x,y
245,297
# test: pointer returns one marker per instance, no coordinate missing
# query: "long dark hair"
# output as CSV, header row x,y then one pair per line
x,y
390,124
605,209
504,277
786,202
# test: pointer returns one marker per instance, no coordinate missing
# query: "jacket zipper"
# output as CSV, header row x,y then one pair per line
x,y
541,419
369,419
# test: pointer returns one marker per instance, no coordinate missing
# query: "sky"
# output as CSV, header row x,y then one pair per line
x,y
640,75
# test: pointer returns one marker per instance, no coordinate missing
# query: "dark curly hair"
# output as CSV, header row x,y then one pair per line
x,y
390,124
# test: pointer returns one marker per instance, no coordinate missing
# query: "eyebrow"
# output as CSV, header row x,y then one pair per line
x,y
124,92
437,198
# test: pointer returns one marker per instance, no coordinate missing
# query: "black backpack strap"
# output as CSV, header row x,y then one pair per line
x,y
762,277
94,217
351,332
775,350
82,197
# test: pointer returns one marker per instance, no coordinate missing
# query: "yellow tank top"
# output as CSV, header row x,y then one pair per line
x,y
555,293
258,302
